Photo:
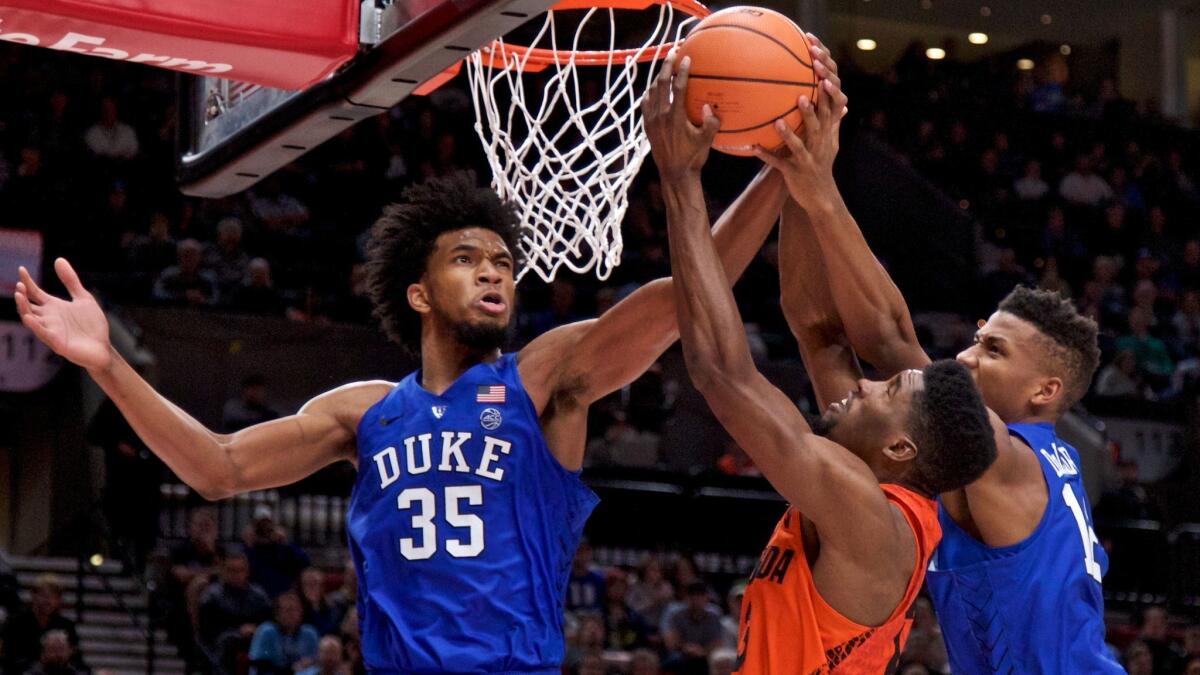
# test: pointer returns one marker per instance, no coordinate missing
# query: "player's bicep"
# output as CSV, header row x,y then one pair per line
x,y
831,486
283,451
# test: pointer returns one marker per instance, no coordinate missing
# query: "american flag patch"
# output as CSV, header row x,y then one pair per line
x,y
489,393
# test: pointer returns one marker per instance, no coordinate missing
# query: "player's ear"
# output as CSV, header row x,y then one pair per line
x,y
418,297
1049,390
902,449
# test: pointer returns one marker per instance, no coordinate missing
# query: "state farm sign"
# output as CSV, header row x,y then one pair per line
x,y
93,45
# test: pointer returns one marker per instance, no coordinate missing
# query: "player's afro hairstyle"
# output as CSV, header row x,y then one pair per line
x,y
404,237
1071,342
950,426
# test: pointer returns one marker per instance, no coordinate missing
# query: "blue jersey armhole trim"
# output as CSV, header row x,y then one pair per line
x,y
1011,549
527,401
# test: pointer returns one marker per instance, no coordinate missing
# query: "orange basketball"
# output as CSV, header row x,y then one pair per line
x,y
750,64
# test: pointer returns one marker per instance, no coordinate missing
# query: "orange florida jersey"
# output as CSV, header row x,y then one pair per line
x,y
787,628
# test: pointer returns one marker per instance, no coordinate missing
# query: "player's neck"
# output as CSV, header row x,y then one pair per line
x,y
444,360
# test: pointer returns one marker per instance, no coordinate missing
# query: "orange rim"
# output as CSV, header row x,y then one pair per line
x,y
500,54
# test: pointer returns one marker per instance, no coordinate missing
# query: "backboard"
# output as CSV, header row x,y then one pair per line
x,y
232,134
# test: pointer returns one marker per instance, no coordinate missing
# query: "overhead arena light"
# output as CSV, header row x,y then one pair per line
x,y
1065,50
935,53
866,44
1024,64
977,38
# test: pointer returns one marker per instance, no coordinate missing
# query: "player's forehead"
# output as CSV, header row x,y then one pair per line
x,y
1006,327
479,238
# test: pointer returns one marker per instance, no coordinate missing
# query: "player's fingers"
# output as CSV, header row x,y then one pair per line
x,y
36,324
23,306
710,124
790,139
664,83
811,124
826,110
822,52
70,279
35,292
769,158
679,85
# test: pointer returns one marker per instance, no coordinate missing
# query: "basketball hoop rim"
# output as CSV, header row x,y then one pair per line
x,y
533,59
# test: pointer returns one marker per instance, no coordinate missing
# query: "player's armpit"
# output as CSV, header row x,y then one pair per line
x,y
826,482
288,449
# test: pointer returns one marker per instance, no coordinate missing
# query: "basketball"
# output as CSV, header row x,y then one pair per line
x,y
750,64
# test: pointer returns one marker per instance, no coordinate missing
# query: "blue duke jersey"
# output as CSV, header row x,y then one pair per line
x,y
462,527
1036,606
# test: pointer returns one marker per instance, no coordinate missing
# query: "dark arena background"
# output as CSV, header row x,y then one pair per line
x,y
989,144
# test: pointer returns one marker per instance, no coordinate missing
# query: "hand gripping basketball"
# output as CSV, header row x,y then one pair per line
x,y
678,146
807,166
75,329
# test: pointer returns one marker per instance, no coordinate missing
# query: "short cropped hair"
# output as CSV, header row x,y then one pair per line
x,y
1071,343
950,426
404,237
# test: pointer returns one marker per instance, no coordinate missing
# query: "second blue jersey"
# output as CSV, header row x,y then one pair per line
x,y
462,526
1036,606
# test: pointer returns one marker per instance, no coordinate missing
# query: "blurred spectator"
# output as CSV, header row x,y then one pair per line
x,y
1151,354
1168,658
250,407
644,662
132,481
1008,275
275,562
330,658
622,444
585,587
1121,379
624,628
230,611
1191,641
226,258
1030,186
1083,186
109,137
588,644
55,657
318,613
194,563
561,309
1193,667
1130,500
279,211
23,632
1186,325
186,283
1139,660
722,661
733,615
651,593
1187,274
693,631
151,253
344,598
284,645
257,293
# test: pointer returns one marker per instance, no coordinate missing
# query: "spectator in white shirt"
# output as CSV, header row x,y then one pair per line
x,y
1030,187
110,137
1082,186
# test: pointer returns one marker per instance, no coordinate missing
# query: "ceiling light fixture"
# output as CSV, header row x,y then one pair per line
x,y
977,38
935,53
866,44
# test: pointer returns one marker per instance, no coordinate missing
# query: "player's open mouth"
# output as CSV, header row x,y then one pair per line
x,y
492,303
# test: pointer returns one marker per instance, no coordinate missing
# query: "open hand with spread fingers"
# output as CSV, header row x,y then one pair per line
x,y
807,160
679,146
75,329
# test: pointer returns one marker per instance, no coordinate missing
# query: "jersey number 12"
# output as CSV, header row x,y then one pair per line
x,y
425,502
1086,534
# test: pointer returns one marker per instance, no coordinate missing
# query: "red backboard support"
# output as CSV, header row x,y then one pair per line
x,y
233,134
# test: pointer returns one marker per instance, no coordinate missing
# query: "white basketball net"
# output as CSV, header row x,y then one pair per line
x,y
566,162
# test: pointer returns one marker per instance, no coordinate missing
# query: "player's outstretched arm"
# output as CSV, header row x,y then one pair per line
x,y
215,465
873,312
826,482
587,360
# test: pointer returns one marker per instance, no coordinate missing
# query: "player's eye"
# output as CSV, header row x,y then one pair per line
x,y
464,258
504,264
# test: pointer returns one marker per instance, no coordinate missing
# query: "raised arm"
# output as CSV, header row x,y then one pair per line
x,y
873,312
587,360
810,311
825,481
215,465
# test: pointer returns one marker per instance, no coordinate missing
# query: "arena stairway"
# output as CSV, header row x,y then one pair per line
x,y
108,637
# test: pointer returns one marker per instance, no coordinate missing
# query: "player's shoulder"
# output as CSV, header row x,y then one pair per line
x,y
350,400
